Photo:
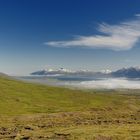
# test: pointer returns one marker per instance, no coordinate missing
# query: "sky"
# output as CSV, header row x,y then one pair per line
x,y
74,34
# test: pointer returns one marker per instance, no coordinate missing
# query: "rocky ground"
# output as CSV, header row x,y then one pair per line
x,y
96,124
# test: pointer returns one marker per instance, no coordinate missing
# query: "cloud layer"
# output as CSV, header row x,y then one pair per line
x,y
107,84
122,36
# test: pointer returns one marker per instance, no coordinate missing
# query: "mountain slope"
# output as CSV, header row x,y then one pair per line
x,y
51,72
132,72
20,98
33,111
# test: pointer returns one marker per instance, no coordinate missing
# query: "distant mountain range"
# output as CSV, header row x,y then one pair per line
x,y
132,72
61,71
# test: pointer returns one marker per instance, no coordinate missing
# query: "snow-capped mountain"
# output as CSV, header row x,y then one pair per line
x,y
132,72
63,71
52,71
107,71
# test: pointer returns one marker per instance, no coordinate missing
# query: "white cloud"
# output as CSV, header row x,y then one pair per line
x,y
122,36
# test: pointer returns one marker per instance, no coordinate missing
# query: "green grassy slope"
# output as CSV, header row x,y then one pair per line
x,y
44,112
21,98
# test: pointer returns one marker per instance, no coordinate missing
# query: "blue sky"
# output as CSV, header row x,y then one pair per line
x,y
74,34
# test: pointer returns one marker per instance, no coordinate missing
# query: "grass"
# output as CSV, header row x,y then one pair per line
x,y
33,111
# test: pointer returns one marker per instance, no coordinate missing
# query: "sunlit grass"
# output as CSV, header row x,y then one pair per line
x,y
61,113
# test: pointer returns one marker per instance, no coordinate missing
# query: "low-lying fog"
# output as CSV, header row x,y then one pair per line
x,y
111,83
86,82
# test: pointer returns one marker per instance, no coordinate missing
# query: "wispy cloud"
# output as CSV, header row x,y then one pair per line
x,y
122,36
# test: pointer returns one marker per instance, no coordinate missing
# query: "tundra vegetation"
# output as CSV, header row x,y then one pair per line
x,y
34,111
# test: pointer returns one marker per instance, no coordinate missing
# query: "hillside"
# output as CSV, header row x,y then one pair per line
x,y
24,98
33,111
132,72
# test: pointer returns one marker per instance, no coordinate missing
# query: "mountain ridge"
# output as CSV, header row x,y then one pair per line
x,y
130,72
